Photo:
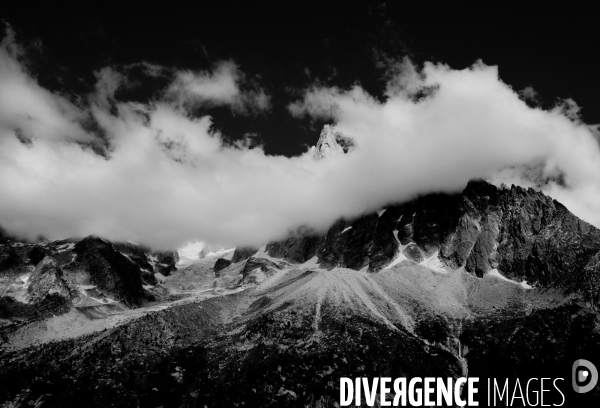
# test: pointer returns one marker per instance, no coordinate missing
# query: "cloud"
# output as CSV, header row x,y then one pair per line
x,y
30,111
217,88
166,178
440,127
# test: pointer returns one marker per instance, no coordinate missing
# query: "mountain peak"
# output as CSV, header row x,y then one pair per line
x,y
332,143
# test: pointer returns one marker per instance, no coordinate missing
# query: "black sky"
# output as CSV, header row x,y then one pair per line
x,y
286,46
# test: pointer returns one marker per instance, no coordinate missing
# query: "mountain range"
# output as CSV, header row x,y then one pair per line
x,y
499,282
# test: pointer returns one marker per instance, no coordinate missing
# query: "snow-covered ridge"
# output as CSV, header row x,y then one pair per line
x,y
190,253
194,251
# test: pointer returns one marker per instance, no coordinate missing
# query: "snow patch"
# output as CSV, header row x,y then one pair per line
x,y
65,247
496,274
262,254
190,253
127,256
525,285
400,257
346,229
221,253
152,259
312,262
434,263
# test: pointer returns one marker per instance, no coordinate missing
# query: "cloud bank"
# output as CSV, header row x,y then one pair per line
x,y
156,174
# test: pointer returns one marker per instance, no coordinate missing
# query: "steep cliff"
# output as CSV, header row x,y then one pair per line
x,y
521,233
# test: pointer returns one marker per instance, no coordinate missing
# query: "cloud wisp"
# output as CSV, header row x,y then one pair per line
x,y
165,178
217,88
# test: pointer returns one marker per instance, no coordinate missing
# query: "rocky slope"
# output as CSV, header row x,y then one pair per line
x,y
490,282
520,233
43,279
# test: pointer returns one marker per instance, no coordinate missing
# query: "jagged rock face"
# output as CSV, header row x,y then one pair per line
x,y
47,294
9,258
220,264
327,146
287,343
37,254
116,266
166,262
331,252
243,253
110,270
332,143
520,232
15,254
139,256
525,235
297,249
47,280
257,269
134,253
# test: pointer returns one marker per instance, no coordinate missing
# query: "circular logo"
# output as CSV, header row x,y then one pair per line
x,y
585,376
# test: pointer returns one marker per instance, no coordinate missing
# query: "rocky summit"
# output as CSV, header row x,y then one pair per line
x,y
332,143
489,282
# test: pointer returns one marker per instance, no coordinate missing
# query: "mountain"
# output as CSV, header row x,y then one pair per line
x,y
519,233
332,143
92,275
490,282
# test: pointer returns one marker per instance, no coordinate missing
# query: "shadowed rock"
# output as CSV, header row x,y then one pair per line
x,y
37,254
299,248
257,268
523,233
110,270
10,259
221,263
166,262
47,280
243,253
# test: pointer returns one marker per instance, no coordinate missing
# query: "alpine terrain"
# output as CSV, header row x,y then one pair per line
x,y
491,282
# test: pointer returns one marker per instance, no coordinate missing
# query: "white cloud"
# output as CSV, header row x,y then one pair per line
x,y
471,126
28,109
168,180
219,87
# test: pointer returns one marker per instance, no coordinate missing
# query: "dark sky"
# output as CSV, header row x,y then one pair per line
x,y
286,46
